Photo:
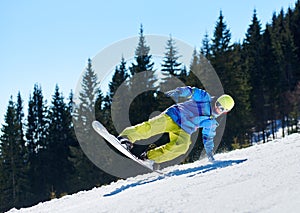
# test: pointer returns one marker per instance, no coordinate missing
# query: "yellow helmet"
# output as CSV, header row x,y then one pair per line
x,y
226,102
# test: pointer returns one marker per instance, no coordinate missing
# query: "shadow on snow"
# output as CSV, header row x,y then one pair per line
x,y
191,171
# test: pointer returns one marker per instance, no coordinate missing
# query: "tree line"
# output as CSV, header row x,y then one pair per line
x,y
40,156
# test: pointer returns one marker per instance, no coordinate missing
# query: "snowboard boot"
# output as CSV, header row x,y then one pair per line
x,y
125,142
146,160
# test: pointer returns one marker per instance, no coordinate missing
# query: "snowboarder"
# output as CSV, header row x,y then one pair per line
x,y
180,121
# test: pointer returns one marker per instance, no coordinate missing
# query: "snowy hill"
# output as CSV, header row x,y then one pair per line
x,y
261,178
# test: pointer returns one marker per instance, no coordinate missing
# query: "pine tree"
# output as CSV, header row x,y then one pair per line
x,y
271,78
90,88
13,170
24,154
142,57
171,70
36,133
119,77
58,139
36,121
143,79
20,117
252,45
220,48
221,39
219,59
170,64
84,111
73,145
206,48
87,174
117,94
239,119
70,109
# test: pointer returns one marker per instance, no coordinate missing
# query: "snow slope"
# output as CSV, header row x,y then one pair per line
x,y
261,178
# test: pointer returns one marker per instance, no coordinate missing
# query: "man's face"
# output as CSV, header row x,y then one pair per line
x,y
219,109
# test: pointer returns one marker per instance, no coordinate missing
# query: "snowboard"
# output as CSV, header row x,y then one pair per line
x,y
103,132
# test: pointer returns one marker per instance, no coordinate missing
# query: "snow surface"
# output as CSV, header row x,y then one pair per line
x,y
261,178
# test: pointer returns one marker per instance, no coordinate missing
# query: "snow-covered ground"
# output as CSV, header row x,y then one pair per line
x,y
261,178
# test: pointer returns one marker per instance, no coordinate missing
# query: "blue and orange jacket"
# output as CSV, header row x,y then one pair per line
x,y
194,113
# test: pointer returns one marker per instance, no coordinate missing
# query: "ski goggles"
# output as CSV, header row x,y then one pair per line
x,y
220,107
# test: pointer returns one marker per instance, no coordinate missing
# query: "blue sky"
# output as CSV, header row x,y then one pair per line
x,y
49,42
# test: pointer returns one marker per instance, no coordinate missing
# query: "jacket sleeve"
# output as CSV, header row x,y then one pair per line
x,y
208,134
190,92
200,95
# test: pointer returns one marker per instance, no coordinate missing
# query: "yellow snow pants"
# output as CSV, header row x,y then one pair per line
x,y
179,139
